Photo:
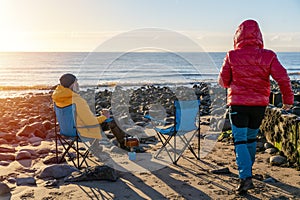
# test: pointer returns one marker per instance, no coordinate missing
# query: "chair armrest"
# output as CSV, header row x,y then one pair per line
x,y
109,120
89,126
153,119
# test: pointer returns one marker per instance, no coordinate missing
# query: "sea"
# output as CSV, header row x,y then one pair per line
x,y
37,72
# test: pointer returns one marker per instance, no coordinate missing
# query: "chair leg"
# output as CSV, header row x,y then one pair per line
x,y
177,155
56,147
164,142
77,152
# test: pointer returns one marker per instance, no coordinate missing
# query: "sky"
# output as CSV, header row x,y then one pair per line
x,y
83,25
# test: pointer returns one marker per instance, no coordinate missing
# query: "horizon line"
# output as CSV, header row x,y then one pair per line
x,y
130,51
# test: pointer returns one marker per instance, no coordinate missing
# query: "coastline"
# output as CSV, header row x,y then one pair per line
x,y
192,179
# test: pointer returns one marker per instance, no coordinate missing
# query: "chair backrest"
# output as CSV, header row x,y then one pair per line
x,y
186,115
66,119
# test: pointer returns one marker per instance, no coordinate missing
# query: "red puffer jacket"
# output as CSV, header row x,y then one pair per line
x,y
246,70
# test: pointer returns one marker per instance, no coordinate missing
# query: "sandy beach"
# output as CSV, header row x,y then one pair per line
x,y
190,179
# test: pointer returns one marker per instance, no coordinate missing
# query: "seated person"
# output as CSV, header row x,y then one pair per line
x,y
66,94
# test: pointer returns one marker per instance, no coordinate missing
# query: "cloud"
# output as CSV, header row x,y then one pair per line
x,y
283,41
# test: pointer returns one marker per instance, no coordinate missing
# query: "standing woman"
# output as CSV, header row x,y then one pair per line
x,y
246,73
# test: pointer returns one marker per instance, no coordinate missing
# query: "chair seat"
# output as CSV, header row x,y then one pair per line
x,y
166,131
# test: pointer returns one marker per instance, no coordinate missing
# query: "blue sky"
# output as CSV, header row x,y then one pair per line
x,y
81,25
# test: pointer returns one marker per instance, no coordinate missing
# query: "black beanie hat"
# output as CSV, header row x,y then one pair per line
x,y
67,80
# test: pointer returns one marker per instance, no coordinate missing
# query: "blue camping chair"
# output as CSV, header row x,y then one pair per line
x,y
185,121
68,135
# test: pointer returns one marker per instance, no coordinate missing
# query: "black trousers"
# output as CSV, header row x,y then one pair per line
x,y
247,116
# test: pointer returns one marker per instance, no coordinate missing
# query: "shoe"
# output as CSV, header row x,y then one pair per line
x,y
244,185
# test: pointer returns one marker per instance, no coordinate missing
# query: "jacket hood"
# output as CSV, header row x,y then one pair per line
x,y
63,96
248,34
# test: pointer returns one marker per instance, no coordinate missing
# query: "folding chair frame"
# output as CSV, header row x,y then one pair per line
x,y
166,140
69,143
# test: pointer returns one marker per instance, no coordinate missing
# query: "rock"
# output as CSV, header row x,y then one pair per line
x,y
33,119
32,152
271,150
43,151
7,156
3,141
259,145
11,180
38,126
29,181
40,134
50,135
21,155
277,160
103,172
25,131
4,189
267,145
23,122
7,150
47,124
4,163
7,136
33,140
52,160
57,171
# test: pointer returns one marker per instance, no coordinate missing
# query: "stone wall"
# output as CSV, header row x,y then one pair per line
x,y
280,129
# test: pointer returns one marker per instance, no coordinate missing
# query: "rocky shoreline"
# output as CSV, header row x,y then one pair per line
x,y
27,125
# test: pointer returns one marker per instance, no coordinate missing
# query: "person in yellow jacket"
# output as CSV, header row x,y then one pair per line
x,y
66,94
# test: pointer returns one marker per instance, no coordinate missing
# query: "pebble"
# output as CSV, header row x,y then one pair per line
x,y
267,145
271,150
4,163
29,181
277,160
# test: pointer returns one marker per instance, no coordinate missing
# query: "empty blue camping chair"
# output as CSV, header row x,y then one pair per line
x,y
68,135
186,120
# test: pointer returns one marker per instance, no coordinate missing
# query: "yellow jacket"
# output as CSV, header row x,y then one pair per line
x,y
84,117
